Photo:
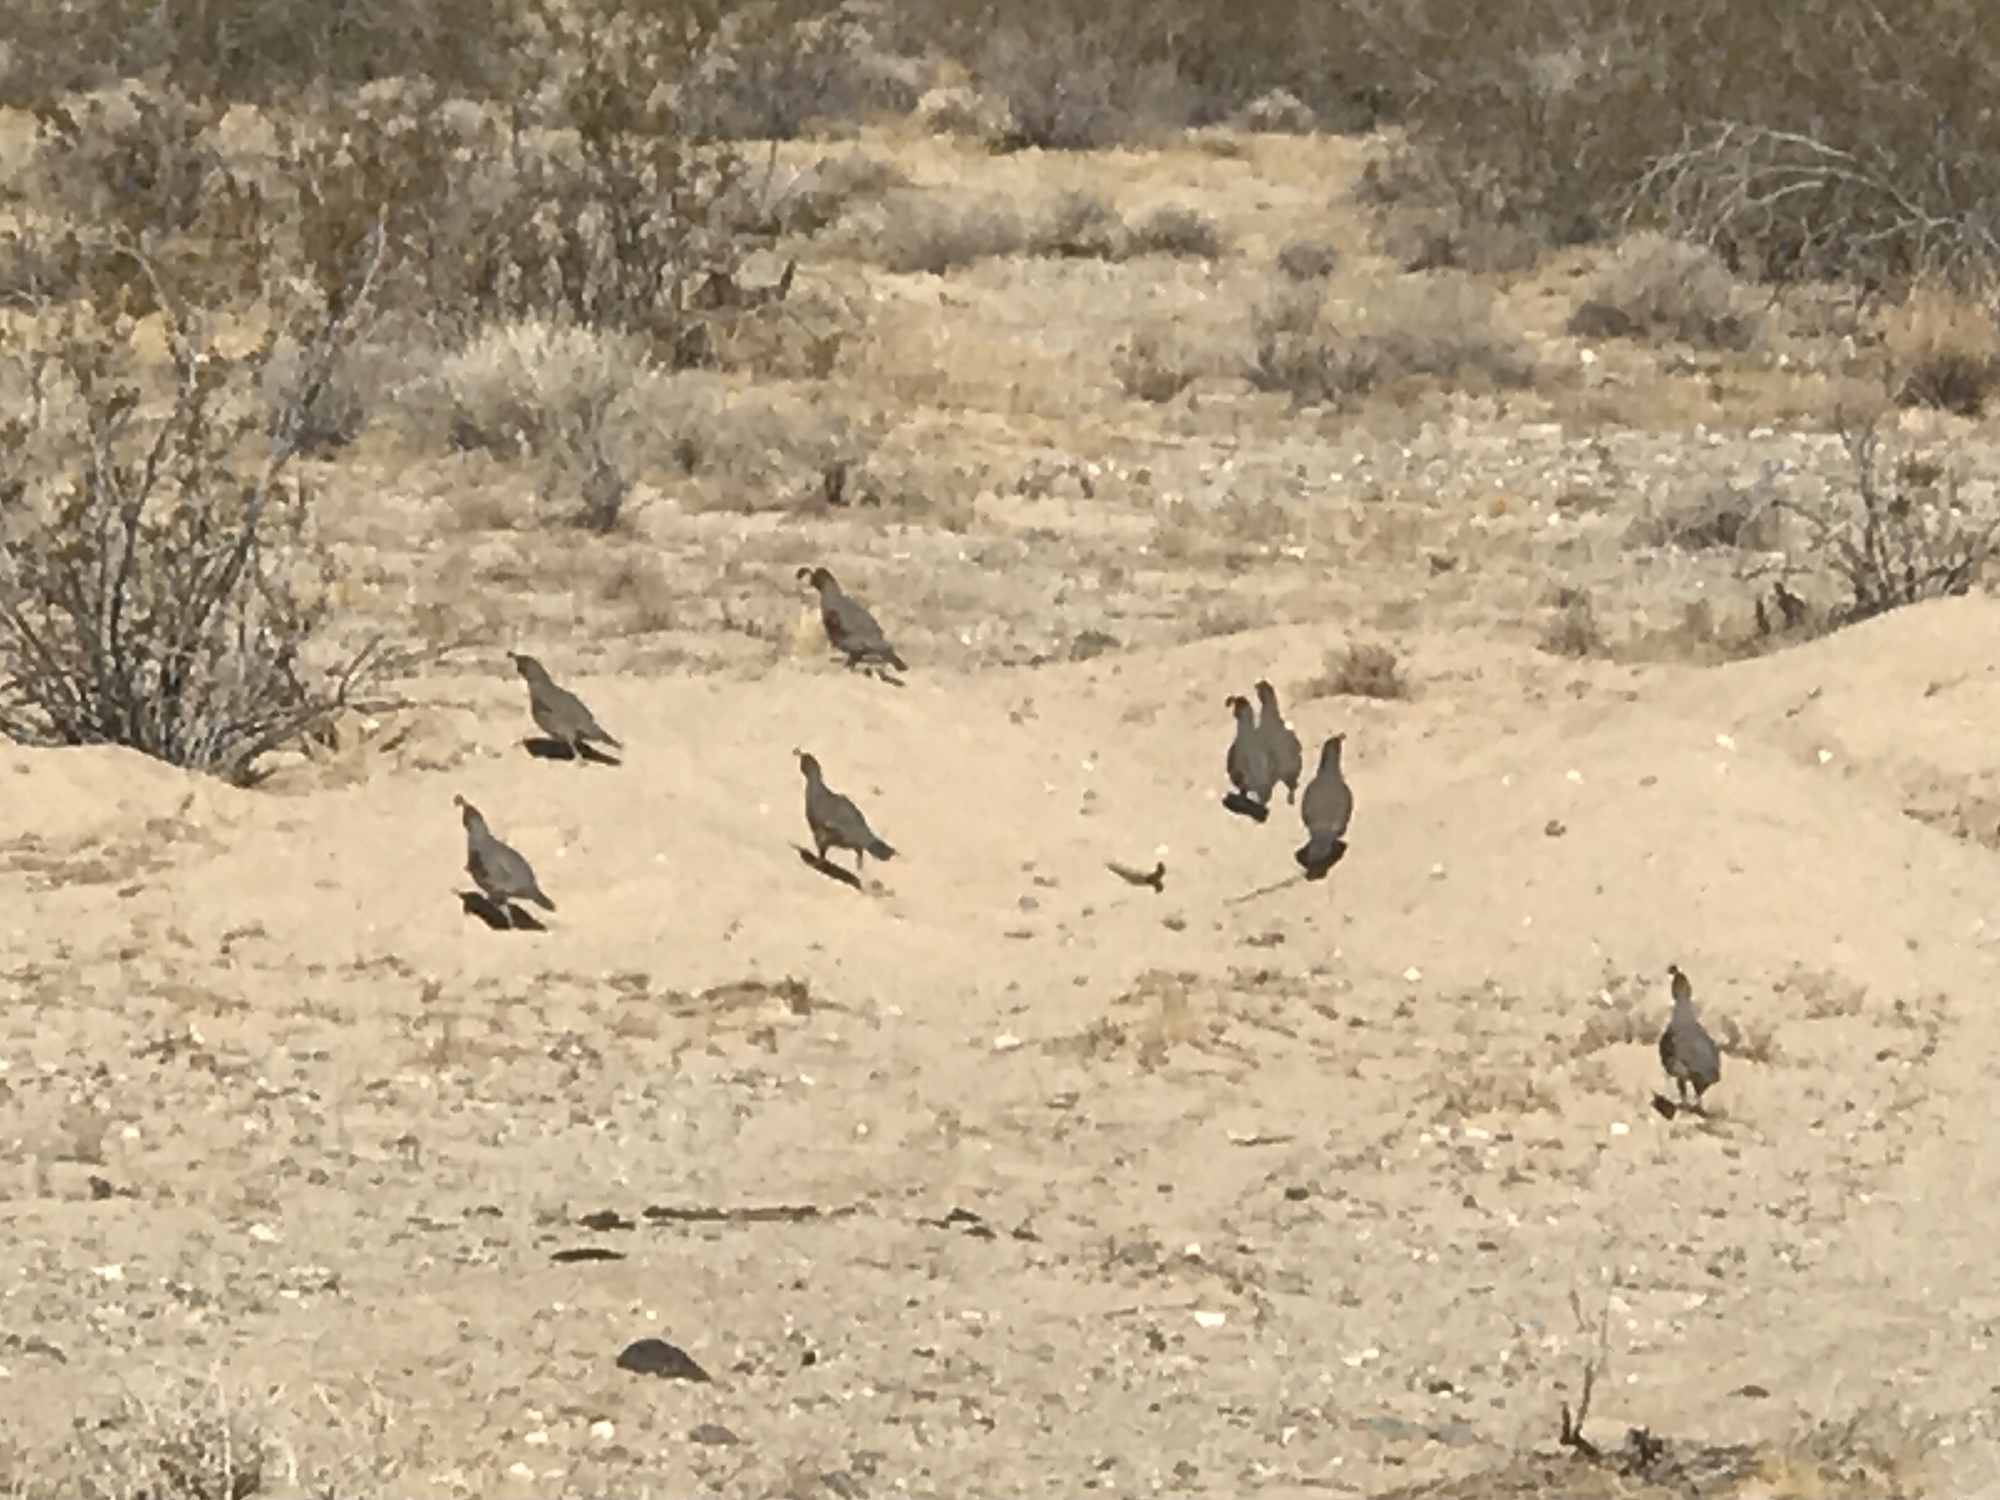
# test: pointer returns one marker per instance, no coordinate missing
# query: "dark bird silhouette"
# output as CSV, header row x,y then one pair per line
x,y
1249,764
835,821
558,712
1326,807
498,870
1287,759
1155,877
1687,1051
851,629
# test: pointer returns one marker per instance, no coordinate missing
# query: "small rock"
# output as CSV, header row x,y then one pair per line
x,y
714,1434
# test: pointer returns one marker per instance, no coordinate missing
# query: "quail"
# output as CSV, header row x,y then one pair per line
x,y
1687,1051
852,630
1287,760
835,821
1326,807
1249,762
498,870
558,712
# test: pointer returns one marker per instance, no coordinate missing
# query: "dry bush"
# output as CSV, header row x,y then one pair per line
x,y
1899,533
1718,516
193,1440
1308,260
1279,112
1572,630
1425,218
163,582
1080,225
748,449
813,198
1156,364
920,232
1176,229
1070,87
771,73
1361,669
570,399
1438,328
1944,351
1666,288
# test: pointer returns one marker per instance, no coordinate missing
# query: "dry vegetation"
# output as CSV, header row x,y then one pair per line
x,y
334,340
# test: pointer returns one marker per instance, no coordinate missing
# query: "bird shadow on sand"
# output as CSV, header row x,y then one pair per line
x,y
546,749
498,918
1243,807
827,868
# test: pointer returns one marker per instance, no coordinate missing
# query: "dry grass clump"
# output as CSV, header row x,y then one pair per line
x,y
1081,225
1308,260
1944,351
192,1441
919,232
1572,629
1156,364
1069,86
1361,669
1665,288
1176,229
568,399
1438,328
1713,518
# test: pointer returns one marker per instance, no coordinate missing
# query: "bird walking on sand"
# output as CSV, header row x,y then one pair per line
x,y
1325,807
1249,762
851,629
835,821
497,869
558,712
1687,1051
1287,759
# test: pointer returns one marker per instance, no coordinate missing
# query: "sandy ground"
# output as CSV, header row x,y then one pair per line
x,y
1244,1187
1278,1195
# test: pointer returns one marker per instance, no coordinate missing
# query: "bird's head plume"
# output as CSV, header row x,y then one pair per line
x,y
1267,695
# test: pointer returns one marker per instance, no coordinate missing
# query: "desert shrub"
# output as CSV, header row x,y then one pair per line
x,y
813,198
1571,628
1714,517
1279,112
1175,229
1438,328
918,231
1837,141
1944,351
1154,365
1070,87
254,49
770,73
138,160
1080,225
1667,288
1308,260
163,584
1895,534
567,398
1361,669
190,1440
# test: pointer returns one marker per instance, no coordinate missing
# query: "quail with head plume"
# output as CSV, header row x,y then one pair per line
x,y
1287,759
851,629
498,870
1249,761
1687,1051
558,712
835,821
1325,807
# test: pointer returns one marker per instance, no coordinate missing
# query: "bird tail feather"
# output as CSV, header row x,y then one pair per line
x,y
1319,854
880,850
